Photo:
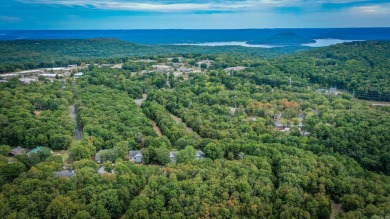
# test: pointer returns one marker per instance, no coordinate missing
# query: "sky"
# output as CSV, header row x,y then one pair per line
x,y
191,14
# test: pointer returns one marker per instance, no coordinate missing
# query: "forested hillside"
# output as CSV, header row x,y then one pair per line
x,y
275,151
360,66
29,54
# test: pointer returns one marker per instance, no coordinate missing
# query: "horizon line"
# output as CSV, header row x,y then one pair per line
x,y
257,28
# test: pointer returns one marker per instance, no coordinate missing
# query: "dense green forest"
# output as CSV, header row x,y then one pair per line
x,y
272,150
359,67
35,115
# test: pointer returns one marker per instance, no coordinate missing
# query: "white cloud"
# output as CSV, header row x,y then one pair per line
x,y
259,6
183,5
372,9
152,5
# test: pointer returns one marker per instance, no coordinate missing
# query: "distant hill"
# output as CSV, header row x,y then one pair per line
x,y
28,54
287,38
46,50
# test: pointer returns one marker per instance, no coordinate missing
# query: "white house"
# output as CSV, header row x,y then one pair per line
x,y
135,156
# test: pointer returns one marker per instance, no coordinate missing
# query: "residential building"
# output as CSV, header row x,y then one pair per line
x,y
237,68
135,156
162,68
78,74
28,80
199,155
17,151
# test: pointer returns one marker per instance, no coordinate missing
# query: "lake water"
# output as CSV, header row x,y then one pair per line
x,y
232,43
234,37
327,42
318,43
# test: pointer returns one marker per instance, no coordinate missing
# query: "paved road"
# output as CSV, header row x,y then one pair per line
x,y
74,119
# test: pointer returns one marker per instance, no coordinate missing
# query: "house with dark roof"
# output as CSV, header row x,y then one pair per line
x,y
135,156
17,151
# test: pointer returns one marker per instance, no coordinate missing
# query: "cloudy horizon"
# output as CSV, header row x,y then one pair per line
x,y
195,14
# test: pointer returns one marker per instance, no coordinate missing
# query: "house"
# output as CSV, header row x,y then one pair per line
x,y
135,156
283,129
28,80
102,170
7,76
56,70
186,70
67,174
233,110
199,155
33,72
79,74
172,156
50,75
17,151
162,68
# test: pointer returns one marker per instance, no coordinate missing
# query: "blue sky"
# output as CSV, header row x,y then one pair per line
x,y
192,14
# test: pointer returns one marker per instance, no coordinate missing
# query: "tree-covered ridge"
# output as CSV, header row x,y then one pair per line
x,y
29,54
360,66
21,51
35,114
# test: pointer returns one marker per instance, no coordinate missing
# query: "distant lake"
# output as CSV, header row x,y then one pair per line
x,y
327,42
232,43
234,37
318,43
